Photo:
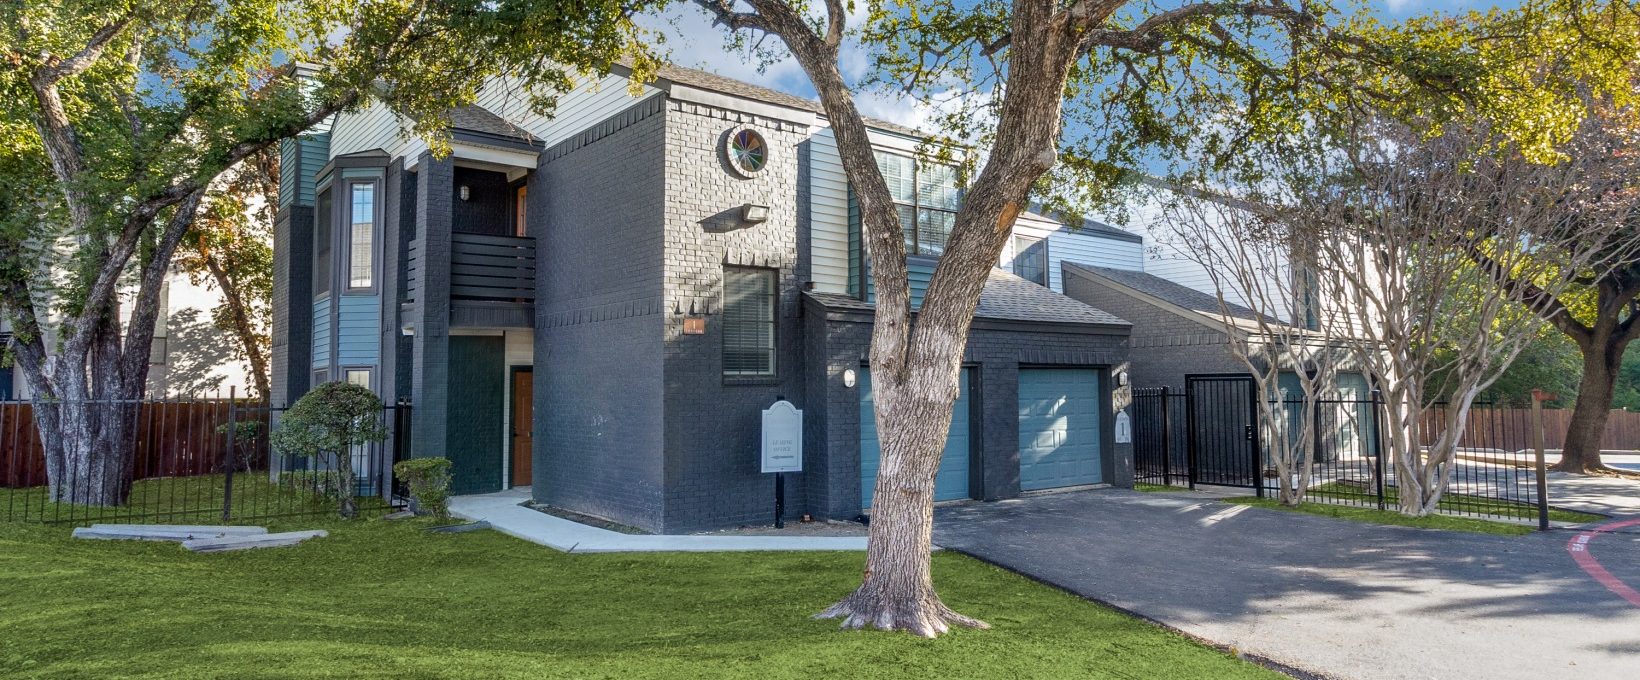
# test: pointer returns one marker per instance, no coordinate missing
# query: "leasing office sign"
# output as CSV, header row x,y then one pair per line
x,y
782,438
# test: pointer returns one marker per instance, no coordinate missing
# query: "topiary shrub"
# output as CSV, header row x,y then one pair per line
x,y
330,420
429,482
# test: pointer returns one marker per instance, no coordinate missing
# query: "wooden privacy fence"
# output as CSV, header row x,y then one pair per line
x,y
174,438
1510,429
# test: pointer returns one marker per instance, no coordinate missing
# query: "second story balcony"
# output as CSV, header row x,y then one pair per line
x,y
490,279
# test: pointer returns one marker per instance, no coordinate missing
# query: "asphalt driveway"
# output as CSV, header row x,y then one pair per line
x,y
1335,598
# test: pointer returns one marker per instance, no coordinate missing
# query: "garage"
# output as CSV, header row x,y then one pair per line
x,y
1058,428
951,482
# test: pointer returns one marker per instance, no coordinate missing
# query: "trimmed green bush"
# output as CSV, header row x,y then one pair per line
x,y
330,420
429,482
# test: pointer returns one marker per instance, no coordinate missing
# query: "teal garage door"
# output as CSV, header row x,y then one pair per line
x,y
1058,428
951,482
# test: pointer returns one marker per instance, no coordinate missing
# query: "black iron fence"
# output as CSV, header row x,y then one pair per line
x,y
186,460
1209,434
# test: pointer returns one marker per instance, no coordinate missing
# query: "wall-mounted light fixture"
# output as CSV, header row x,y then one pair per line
x,y
752,212
465,193
848,377
694,324
409,328
1121,378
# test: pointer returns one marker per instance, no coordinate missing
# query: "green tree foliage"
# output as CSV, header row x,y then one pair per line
x,y
326,424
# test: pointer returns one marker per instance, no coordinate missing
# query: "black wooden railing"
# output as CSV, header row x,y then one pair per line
x,y
493,268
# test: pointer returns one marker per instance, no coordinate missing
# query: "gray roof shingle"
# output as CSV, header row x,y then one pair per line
x,y
1168,291
476,118
1007,298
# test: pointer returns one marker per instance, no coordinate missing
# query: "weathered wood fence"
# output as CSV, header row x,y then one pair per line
x,y
1510,428
174,438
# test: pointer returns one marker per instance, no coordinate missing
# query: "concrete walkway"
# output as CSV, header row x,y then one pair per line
x,y
1335,598
504,512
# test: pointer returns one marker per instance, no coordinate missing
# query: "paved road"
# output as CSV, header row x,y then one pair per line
x,y
1336,598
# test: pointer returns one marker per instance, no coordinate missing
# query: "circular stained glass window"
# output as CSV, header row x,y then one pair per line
x,y
746,151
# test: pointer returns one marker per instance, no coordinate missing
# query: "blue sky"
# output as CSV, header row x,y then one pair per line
x,y
694,42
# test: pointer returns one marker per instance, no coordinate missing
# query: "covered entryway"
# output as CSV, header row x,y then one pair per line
x,y
952,480
522,423
1058,428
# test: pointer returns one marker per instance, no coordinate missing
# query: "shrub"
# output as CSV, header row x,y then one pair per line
x,y
331,419
429,482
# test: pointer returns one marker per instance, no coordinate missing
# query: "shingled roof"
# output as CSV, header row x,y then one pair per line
x,y
1005,298
1166,291
475,118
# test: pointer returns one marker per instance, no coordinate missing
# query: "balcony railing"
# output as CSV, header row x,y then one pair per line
x,y
487,268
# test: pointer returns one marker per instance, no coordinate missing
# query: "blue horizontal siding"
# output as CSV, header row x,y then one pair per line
x,y
299,160
358,319
1092,249
321,332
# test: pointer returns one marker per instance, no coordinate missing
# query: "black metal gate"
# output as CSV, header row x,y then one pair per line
x,y
1160,453
1222,432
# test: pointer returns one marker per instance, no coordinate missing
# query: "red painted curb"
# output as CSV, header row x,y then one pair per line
x,y
1579,548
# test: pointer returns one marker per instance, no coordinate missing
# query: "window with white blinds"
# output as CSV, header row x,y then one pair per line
x,y
926,196
749,302
361,240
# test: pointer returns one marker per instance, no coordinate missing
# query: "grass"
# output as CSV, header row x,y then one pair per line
x,y
179,500
1152,488
384,599
1373,515
1456,502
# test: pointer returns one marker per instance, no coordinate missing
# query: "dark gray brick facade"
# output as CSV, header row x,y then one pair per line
x,y
291,355
1167,345
597,205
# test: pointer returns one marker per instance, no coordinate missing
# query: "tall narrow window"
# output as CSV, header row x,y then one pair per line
x,y
749,302
321,244
520,200
361,237
1031,259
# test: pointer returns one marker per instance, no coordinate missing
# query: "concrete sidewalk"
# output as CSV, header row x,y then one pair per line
x,y
1336,598
503,510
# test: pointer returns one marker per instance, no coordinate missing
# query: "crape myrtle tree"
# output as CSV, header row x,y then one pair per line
x,y
1416,228
1260,265
1055,93
120,114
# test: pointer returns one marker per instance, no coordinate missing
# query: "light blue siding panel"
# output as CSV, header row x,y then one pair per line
x,y
1058,427
918,272
951,481
321,332
1090,248
315,153
358,330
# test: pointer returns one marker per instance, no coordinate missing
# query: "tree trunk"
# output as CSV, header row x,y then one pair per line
x,y
238,311
1581,451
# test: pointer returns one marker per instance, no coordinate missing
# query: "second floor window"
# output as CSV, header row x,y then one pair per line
x,y
361,236
926,197
1031,259
749,303
321,244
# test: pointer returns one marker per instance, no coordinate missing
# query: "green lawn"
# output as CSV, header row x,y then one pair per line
x,y
1375,516
384,599
183,500
1455,502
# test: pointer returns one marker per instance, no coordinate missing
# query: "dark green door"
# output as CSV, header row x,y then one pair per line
x,y
477,389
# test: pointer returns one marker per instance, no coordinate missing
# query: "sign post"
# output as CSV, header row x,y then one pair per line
x,y
1538,397
782,450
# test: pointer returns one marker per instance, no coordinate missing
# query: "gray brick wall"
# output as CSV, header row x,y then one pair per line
x,y
995,356
596,212
430,348
712,424
292,350
1165,346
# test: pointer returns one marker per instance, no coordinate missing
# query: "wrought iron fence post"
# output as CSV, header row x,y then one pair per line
x,y
1167,448
1378,444
1257,448
1190,434
228,457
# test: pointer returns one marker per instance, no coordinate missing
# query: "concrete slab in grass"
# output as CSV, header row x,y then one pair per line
x,y
228,543
162,532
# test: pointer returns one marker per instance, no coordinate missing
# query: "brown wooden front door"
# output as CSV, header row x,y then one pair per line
x,y
523,421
